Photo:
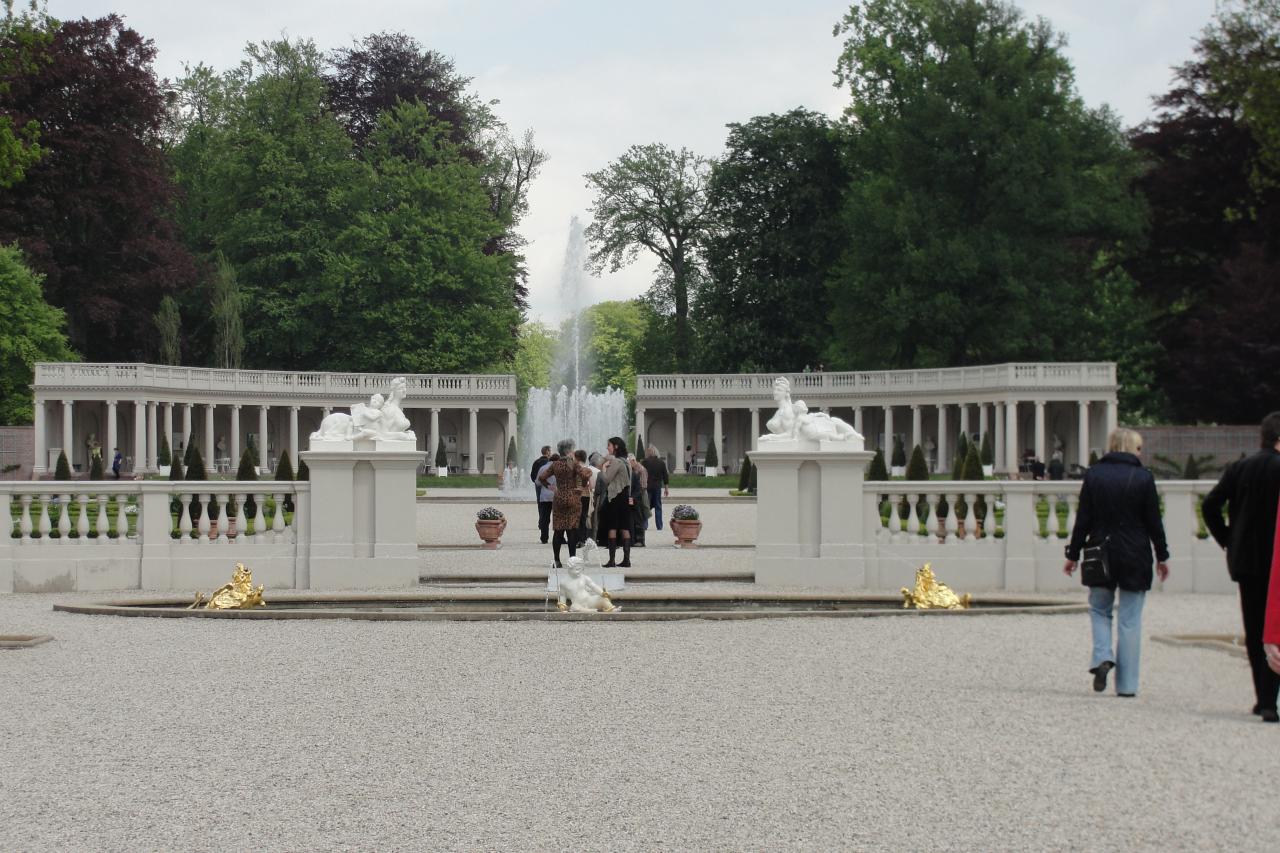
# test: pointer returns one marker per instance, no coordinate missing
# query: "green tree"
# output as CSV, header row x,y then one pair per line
x,y
196,473
744,476
224,308
980,180
535,356
164,456
177,471
95,467
62,468
655,199
613,333
304,472
168,323
23,37
877,471
962,450
713,458
972,464
31,330
988,452
917,468
899,452
442,455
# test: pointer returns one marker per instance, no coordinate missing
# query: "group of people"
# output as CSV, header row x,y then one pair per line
x,y
1119,511
609,498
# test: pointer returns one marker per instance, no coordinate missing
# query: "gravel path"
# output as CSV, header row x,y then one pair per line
x,y
966,734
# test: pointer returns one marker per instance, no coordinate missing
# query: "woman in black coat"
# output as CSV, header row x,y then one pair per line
x,y
1119,505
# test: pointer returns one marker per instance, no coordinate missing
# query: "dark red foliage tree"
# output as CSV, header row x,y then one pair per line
x,y
95,213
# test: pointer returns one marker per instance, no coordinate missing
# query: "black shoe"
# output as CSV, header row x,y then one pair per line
x,y
610,565
1126,695
1100,675
1269,715
559,565
625,564
1257,710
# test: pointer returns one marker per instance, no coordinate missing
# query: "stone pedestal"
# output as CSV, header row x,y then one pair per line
x,y
363,514
809,528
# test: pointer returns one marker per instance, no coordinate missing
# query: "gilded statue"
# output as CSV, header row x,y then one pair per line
x,y
932,594
240,594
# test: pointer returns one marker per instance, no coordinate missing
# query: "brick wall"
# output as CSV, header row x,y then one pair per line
x,y
17,447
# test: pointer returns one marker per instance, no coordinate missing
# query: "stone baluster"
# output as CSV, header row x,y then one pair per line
x,y
82,522
103,526
952,523
24,520
971,535
204,526
45,527
242,523
122,519
931,523
277,522
988,518
64,518
184,517
913,520
259,518
1054,524
223,519
1073,507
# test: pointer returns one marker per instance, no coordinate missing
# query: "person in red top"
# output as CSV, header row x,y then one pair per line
x,y
1271,633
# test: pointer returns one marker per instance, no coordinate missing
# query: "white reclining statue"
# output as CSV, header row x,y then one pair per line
x,y
794,420
381,419
580,594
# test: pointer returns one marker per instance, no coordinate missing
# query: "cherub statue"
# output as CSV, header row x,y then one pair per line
x,y
380,419
580,594
793,420
240,594
931,594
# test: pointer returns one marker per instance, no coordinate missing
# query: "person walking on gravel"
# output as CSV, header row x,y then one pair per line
x,y
1119,508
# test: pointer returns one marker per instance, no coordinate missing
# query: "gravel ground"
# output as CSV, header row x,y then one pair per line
x,y
973,733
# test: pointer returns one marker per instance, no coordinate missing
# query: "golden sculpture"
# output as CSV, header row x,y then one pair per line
x,y
931,594
240,594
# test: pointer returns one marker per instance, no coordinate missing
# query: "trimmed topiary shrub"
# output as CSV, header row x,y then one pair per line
x,y
957,463
988,453
751,485
511,449
972,464
163,455
191,448
917,468
196,473
304,473
899,453
62,469
442,455
245,473
1093,458
284,473
744,476
95,467
176,470
876,470
713,460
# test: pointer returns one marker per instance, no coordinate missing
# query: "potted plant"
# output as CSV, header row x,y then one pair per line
x,y
442,461
490,522
685,525
713,460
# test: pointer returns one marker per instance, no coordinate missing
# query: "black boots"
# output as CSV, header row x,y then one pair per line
x,y
613,549
626,554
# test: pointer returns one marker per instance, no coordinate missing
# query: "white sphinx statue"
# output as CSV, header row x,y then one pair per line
x,y
381,419
580,594
793,420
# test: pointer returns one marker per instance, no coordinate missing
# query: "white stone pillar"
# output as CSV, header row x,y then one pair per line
x,y
1113,418
1082,435
942,437
235,436
68,435
917,430
186,425
755,429
293,436
888,436
1001,462
139,435
168,428
435,437
857,420
1040,440
262,437
717,438
209,450
153,441
513,431
474,466
983,426
113,435
641,431
40,464
964,421
1011,436
680,469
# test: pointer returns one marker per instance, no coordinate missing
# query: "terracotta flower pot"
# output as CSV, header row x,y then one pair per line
x,y
490,530
686,531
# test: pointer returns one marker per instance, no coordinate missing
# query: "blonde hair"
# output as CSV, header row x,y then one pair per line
x,y
1124,441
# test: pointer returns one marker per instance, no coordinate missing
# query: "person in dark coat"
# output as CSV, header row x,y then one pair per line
x,y
659,479
1119,504
1250,490
544,506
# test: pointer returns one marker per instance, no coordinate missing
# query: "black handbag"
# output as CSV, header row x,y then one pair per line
x,y
1095,564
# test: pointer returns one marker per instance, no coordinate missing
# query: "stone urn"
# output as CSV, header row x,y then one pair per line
x,y
490,530
686,531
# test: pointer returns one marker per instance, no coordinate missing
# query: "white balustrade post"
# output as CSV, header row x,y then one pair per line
x,y
82,521
235,436
1180,527
122,519
40,464
64,518
68,434
293,436
24,520
942,437
1054,526
1021,526
139,436
186,425
917,430
259,515
262,438
153,442
1082,434
642,431
888,442
1040,436
473,467
1011,436
857,420
952,524
717,437
242,523
113,434
680,469
184,518
277,520
913,520
204,520
755,429
210,445
435,437
964,421
1113,418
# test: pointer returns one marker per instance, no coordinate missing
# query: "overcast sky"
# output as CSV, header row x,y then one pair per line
x,y
592,78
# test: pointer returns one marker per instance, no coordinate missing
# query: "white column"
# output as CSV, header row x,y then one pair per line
x,y
755,429
435,437
235,437
293,437
186,425
153,441
139,435
1001,461
942,437
983,426
113,435
641,431
474,466
888,436
717,437
1040,442
262,437
680,469
1113,418
917,430
41,463
1082,435
209,451
1011,436
857,420
964,420
513,431
68,434
168,428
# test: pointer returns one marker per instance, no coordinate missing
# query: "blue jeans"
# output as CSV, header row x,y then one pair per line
x,y
655,503
1128,646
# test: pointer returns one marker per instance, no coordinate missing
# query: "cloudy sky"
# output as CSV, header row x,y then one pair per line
x,y
592,78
